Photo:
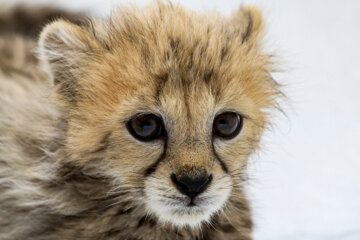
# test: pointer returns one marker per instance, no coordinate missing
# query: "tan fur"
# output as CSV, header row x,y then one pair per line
x,y
69,169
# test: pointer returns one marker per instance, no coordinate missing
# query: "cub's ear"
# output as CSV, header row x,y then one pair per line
x,y
248,21
64,49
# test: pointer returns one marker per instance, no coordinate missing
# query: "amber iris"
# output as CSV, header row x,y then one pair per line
x,y
146,127
227,125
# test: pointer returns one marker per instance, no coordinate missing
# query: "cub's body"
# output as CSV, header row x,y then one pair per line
x,y
67,168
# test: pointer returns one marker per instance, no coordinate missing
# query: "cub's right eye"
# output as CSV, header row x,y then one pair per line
x,y
227,125
146,127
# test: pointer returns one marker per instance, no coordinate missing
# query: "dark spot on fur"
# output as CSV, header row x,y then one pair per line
x,y
242,206
174,45
224,52
204,237
247,223
69,172
167,56
163,77
128,32
145,52
202,52
190,63
146,221
178,234
30,146
161,81
67,89
112,233
208,76
124,211
228,228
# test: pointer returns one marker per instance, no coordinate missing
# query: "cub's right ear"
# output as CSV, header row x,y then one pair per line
x,y
64,49
248,20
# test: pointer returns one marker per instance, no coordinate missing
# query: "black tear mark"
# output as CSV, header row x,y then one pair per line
x,y
222,163
153,167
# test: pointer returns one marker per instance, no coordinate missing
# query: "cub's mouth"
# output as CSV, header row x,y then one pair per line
x,y
187,200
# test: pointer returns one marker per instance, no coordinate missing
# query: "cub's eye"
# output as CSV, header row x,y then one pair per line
x,y
146,127
227,125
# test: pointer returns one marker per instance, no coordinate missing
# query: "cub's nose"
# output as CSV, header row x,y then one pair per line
x,y
190,185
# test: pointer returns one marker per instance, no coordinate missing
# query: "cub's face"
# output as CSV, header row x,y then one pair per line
x,y
167,104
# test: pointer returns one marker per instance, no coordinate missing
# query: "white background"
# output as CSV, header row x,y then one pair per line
x,y
305,183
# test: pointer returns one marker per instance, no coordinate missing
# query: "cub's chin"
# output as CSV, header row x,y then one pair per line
x,y
171,206
191,216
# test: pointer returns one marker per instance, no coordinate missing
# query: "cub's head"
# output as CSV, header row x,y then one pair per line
x,y
166,103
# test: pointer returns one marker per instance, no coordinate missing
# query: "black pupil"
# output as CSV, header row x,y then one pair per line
x,y
146,127
227,124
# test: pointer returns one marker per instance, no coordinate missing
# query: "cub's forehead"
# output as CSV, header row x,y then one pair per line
x,y
165,54
196,73
177,45
187,55
168,41
200,72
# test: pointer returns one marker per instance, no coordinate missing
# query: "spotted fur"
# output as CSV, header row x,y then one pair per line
x,y
69,169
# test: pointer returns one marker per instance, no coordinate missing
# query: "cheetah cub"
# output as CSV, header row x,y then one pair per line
x,y
138,126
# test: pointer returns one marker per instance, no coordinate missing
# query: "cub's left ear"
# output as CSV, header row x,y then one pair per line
x,y
65,48
248,21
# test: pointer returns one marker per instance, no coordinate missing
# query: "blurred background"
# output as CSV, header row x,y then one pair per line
x,y
305,183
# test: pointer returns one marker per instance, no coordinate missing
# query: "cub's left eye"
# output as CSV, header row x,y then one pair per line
x,y
146,127
227,125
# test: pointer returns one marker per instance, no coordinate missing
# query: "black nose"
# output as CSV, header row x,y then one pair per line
x,y
191,186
